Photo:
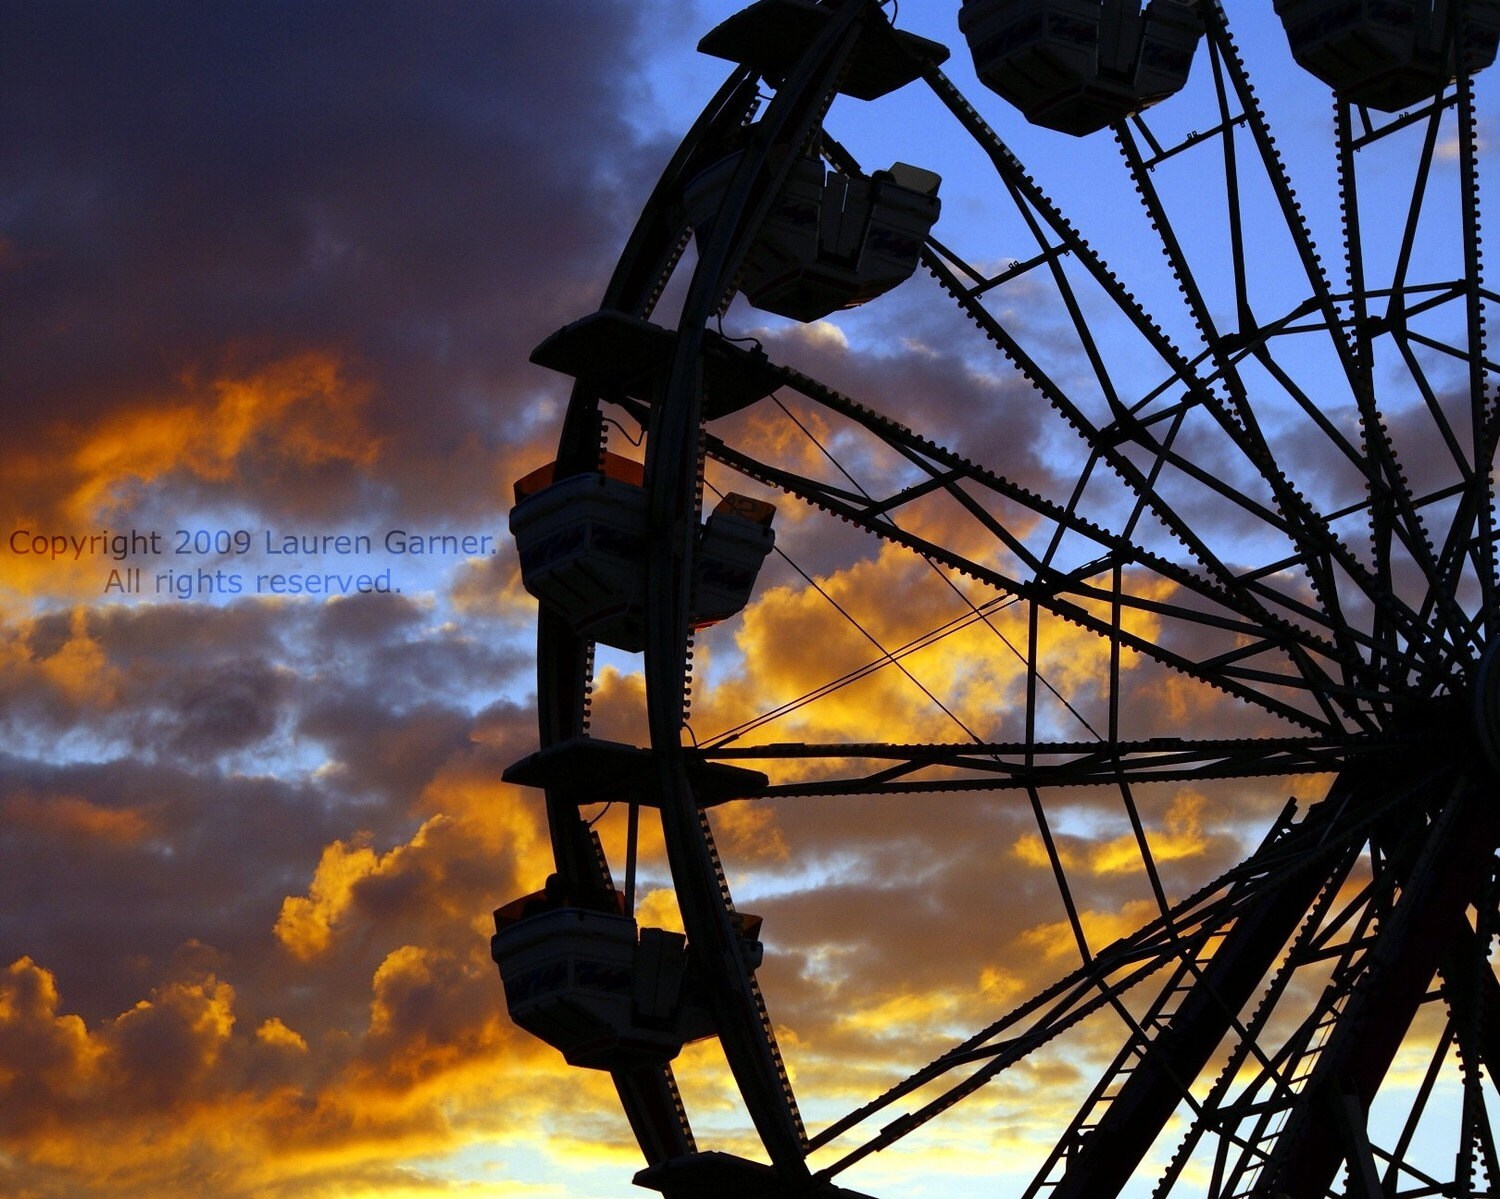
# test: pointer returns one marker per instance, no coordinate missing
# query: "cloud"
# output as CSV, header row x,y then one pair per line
x,y
179,1072
305,223
305,925
389,1048
273,1032
289,418
71,816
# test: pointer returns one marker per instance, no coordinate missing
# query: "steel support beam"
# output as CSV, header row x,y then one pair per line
x,y
1111,1153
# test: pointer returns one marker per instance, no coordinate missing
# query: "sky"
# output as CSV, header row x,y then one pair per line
x,y
271,274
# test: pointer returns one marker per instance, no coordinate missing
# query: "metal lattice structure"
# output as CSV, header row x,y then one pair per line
x,y
1271,484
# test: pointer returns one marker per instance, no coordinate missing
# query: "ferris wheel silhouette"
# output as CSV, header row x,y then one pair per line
x,y
1267,495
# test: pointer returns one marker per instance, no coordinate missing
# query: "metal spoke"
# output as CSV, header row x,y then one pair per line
x,y
1030,764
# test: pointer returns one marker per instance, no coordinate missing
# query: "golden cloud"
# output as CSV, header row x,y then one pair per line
x,y
432,1012
800,669
1055,940
307,923
750,831
77,672
180,1089
297,415
477,834
1182,836
1032,851
658,908
167,1044
275,1032
303,410
47,1059
71,816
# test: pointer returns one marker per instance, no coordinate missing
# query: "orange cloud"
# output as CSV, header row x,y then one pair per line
x,y
1182,835
275,1032
482,842
619,706
294,416
73,816
307,923
1032,851
750,831
178,1089
46,1059
1055,940
658,909
77,672
795,639
302,410
80,669
56,1075
354,882
167,1044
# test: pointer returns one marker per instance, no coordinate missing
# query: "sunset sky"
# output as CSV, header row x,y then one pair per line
x,y
276,270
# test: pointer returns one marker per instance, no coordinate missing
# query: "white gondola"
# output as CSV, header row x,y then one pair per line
x,y
605,994
1079,65
583,550
733,543
1388,54
830,241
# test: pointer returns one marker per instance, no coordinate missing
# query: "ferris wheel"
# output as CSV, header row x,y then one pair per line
x,y
1215,521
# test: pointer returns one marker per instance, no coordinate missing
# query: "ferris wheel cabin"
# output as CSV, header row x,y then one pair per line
x,y
583,547
1389,54
604,993
831,240
1079,65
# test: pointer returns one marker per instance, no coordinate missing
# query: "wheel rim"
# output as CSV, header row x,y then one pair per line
x,y
1369,663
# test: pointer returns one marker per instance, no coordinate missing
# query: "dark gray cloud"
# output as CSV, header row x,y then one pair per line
x,y
105,903
424,192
